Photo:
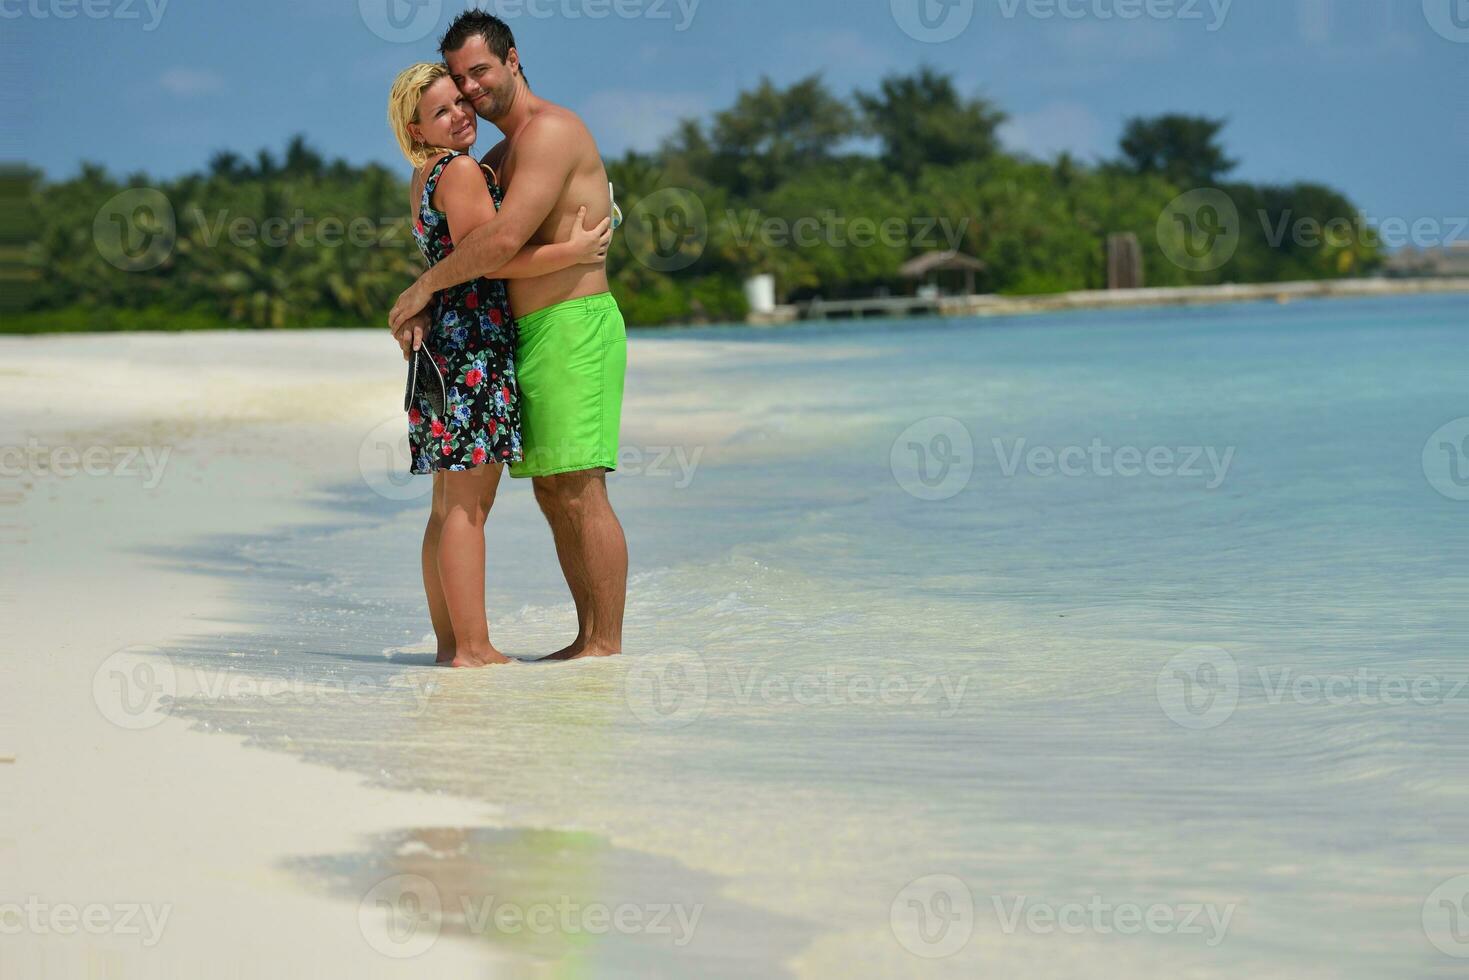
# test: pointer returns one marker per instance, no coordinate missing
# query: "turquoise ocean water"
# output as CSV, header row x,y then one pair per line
x,y
1107,644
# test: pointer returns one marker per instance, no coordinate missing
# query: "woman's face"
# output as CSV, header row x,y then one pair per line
x,y
445,117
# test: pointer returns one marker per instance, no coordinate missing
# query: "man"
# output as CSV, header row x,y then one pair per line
x,y
572,354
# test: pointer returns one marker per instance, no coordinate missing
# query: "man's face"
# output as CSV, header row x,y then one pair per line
x,y
486,81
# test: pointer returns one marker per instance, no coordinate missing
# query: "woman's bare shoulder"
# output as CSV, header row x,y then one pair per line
x,y
462,172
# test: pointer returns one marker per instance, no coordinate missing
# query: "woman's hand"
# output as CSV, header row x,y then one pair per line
x,y
591,245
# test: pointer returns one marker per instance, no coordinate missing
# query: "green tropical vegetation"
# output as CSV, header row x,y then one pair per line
x,y
831,195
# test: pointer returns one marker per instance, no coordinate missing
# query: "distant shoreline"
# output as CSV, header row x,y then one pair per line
x,y
1104,299
912,306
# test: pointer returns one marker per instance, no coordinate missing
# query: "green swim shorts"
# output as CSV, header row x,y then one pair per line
x,y
571,361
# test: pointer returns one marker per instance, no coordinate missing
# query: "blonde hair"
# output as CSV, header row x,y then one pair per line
x,y
407,91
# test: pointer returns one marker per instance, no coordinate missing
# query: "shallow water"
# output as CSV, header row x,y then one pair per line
x,y
875,639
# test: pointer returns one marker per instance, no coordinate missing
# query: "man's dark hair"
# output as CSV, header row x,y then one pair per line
x,y
497,34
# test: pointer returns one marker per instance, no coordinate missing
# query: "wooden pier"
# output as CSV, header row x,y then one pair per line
x,y
899,307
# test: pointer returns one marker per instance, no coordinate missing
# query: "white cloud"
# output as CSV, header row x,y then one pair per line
x,y
1141,40
845,50
189,82
630,120
1055,127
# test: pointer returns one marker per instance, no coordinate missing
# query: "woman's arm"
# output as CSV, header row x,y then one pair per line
x,y
586,247
463,196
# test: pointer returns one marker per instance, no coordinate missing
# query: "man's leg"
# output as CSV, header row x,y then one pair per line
x,y
595,551
571,569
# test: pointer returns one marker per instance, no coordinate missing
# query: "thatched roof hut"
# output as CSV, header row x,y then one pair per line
x,y
930,264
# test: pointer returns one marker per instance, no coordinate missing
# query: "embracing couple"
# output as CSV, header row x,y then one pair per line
x,y
515,311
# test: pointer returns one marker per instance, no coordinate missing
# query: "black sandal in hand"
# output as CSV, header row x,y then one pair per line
x,y
425,381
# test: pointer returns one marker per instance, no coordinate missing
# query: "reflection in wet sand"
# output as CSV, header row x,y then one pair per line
x,y
562,903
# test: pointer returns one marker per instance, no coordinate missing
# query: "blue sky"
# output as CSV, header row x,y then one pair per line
x,y
1371,96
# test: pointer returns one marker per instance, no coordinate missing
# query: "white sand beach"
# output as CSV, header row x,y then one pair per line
x,y
135,846
190,826
851,697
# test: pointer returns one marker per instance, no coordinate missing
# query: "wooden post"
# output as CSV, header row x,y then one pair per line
x,y
1124,261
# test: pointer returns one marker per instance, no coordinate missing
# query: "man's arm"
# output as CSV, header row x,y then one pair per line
x,y
546,151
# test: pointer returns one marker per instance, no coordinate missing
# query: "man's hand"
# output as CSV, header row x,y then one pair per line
x,y
410,335
413,301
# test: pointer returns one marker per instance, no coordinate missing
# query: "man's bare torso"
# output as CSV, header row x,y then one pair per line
x,y
587,185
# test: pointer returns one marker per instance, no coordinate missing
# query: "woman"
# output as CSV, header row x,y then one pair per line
x,y
472,336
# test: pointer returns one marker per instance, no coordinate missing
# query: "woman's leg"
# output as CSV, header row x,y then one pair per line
x,y
468,497
438,607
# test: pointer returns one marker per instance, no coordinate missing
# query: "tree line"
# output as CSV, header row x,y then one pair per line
x,y
831,195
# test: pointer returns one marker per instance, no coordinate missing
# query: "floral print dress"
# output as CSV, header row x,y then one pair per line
x,y
473,339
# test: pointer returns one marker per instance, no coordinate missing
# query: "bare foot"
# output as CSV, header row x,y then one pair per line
x,y
483,657
569,651
586,651
445,656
